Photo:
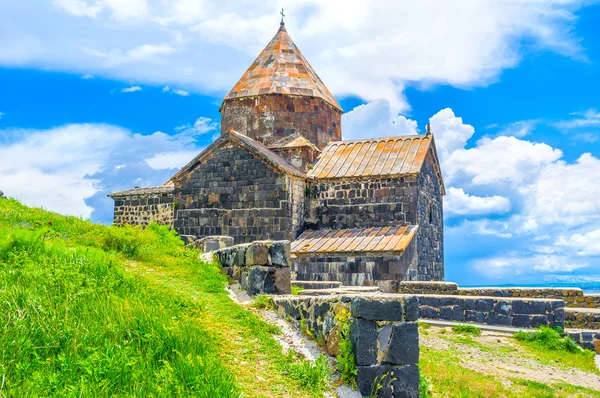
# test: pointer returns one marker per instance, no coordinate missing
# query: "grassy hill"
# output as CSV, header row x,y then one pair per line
x,y
90,310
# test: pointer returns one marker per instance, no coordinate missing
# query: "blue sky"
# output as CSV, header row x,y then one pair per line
x,y
99,96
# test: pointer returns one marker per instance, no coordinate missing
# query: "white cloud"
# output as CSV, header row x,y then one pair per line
x,y
502,159
376,119
586,119
520,263
87,76
70,169
450,132
183,93
459,203
358,49
172,160
587,244
519,129
131,89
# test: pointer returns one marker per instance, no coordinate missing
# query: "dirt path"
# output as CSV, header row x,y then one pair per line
x,y
511,362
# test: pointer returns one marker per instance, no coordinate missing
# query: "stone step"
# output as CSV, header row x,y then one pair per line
x,y
315,285
587,338
339,291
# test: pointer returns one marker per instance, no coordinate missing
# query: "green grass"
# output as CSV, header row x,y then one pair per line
x,y
89,310
550,346
467,329
448,378
296,290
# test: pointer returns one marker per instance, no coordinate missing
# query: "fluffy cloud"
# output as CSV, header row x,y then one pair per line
x,y
450,132
587,244
183,93
376,119
71,169
358,49
459,203
131,89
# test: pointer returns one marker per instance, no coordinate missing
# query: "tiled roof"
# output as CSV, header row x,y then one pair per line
x,y
254,147
163,189
372,157
281,69
383,239
295,140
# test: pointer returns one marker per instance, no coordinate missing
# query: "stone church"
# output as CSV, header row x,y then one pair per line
x,y
360,210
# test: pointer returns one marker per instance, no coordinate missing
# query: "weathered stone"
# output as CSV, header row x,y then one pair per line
x,y
333,342
446,313
403,347
475,316
209,243
504,320
280,253
484,305
282,280
502,308
187,238
538,320
257,254
429,313
363,335
368,375
406,381
521,320
411,309
521,307
256,280
374,310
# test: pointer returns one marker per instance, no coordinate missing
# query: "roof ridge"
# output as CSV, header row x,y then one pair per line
x,y
396,137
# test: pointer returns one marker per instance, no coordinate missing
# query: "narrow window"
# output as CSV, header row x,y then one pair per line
x,y
430,214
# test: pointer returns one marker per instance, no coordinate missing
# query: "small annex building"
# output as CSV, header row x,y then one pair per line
x,y
355,211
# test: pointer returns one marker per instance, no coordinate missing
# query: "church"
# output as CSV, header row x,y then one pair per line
x,y
359,210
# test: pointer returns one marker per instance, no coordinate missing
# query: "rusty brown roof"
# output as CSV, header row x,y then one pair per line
x,y
281,69
384,239
163,189
388,156
254,147
295,140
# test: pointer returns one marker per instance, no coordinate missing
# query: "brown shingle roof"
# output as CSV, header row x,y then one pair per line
x,y
389,156
281,69
163,189
254,147
384,239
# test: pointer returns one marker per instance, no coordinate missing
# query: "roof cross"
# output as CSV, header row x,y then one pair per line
x,y
282,15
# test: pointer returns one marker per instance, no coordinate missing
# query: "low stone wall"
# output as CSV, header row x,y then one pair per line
x,y
589,339
143,209
520,313
582,318
384,334
573,297
261,267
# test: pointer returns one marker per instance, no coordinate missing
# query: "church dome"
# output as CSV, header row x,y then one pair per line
x,y
281,69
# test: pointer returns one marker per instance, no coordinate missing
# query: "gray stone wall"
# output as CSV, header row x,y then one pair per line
x,y
383,330
261,267
236,194
520,313
582,318
363,203
357,269
589,339
430,218
144,209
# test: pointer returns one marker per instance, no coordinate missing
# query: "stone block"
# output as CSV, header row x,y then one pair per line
x,y
429,312
521,321
559,315
521,307
474,316
504,320
406,381
282,280
210,243
491,318
257,254
484,305
367,375
187,238
363,334
458,314
502,308
411,309
280,253
446,313
429,301
403,345
372,309
538,320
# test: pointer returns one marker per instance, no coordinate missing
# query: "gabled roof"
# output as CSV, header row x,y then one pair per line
x,y
384,239
295,140
247,143
166,188
281,69
389,156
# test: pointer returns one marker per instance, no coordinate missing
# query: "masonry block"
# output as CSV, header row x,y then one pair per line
x,y
376,310
363,334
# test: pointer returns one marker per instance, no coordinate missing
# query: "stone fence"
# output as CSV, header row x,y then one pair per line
x,y
261,267
520,313
582,319
573,297
383,331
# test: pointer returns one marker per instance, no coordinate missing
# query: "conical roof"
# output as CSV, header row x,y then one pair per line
x,y
281,69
